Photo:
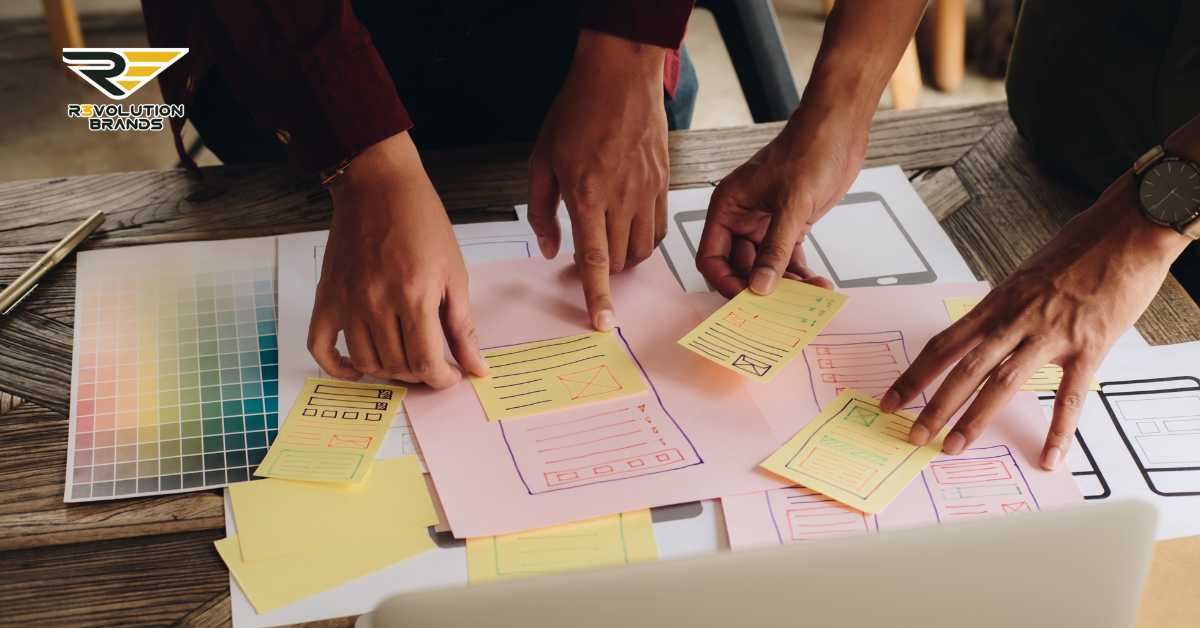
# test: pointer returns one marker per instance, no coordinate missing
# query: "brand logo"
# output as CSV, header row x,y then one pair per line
x,y
119,72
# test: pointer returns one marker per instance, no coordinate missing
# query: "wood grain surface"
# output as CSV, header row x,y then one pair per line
x,y
150,560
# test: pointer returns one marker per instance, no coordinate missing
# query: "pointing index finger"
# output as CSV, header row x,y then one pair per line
x,y
591,257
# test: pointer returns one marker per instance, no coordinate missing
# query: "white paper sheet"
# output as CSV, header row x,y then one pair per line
x,y
1140,436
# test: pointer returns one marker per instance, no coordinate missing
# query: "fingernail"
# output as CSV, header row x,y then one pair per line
x,y
547,247
763,281
918,435
605,320
1050,458
954,443
890,401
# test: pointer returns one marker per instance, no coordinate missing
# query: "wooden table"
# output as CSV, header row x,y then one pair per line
x,y
150,560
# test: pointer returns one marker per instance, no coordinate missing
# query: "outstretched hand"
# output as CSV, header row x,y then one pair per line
x,y
1066,305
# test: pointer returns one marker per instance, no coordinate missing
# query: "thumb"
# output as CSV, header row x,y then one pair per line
x,y
775,250
543,206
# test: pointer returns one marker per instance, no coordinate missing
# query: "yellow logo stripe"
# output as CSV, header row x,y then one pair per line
x,y
129,85
141,70
148,56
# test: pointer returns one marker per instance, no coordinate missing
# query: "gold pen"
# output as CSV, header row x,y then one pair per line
x,y
15,292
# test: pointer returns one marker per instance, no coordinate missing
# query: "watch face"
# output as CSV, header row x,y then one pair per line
x,y
1170,191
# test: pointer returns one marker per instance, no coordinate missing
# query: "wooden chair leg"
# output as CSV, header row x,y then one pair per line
x,y
949,43
62,21
906,80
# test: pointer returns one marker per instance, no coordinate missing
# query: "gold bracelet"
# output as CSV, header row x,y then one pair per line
x,y
328,175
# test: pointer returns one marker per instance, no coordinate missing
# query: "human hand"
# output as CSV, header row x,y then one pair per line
x,y
603,149
393,280
1066,305
760,214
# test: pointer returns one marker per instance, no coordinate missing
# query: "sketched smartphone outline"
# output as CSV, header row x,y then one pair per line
x,y
1112,392
927,275
903,279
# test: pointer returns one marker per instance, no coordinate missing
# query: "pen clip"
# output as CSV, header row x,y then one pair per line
x,y
18,301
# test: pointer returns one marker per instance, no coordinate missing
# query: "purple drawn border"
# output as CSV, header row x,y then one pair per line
x,y
657,397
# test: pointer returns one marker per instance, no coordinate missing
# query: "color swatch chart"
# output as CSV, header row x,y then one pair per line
x,y
175,380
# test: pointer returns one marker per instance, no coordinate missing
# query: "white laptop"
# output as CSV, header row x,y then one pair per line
x,y
1075,567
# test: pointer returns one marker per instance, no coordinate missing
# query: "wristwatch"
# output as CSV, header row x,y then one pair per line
x,y
1169,191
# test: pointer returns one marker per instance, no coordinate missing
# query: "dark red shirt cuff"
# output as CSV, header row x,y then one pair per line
x,y
355,105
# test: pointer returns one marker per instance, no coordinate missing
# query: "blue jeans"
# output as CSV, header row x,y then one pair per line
x,y
683,105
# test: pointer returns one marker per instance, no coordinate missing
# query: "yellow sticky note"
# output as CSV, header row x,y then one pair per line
x,y
855,453
281,517
297,539
274,583
604,541
1048,378
537,377
957,307
758,335
332,431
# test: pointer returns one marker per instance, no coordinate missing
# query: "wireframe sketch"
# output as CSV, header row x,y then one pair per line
x,y
801,514
604,441
981,482
1159,422
869,363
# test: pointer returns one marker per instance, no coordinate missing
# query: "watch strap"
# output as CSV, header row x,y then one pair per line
x,y
1148,158
1191,229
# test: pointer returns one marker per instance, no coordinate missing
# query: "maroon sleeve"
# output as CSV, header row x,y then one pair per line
x,y
657,22
309,71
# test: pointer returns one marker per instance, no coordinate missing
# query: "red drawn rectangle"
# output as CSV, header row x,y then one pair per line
x,y
647,461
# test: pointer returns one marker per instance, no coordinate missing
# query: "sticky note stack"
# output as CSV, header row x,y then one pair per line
x,y
296,539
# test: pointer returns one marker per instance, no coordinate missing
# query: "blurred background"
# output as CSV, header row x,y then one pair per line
x,y
961,51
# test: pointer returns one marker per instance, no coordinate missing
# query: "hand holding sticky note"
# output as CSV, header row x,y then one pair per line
x,y
557,373
757,335
332,431
855,453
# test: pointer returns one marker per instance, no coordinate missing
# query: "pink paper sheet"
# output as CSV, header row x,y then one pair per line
x,y
870,342
694,435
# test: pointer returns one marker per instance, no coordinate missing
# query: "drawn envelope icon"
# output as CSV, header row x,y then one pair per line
x,y
590,382
862,416
339,441
750,365
1015,507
